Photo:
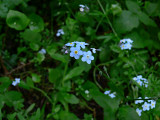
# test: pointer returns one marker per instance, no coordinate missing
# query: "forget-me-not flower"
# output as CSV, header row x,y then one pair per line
x,y
139,101
75,52
112,95
153,104
138,111
42,51
17,80
87,56
70,44
83,8
126,44
145,106
107,92
60,32
81,44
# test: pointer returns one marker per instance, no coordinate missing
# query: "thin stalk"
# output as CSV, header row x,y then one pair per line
x,y
44,93
108,20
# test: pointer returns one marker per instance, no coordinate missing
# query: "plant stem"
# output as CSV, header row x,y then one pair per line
x,y
44,93
108,20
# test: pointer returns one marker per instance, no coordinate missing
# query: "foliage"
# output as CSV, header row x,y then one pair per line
x,y
55,86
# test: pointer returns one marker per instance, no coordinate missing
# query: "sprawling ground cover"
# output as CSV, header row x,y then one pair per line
x,y
79,60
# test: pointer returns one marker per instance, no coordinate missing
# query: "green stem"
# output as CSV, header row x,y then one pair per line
x,y
108,20
44,93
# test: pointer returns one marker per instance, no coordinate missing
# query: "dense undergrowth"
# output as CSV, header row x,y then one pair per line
x,y
79,60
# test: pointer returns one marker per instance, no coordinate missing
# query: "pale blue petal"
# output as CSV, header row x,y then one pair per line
x,y
89,61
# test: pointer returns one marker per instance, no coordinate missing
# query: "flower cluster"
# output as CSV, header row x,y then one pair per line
x,y
108,92
83,8
141,81
42,51
17,80
76,51
147,105
60,32
126,44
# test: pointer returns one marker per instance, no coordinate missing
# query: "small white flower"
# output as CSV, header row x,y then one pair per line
x,y
112,95
14,83
139,101
17,80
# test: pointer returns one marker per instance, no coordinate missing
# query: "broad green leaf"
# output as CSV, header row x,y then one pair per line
x,y
64,115
143,17
59,57
36,78
133,6
54,75
40,57
34,46
30,82
74,72
127,113
72,99
116,9
36,23
17,20
126,22
4,83
31,36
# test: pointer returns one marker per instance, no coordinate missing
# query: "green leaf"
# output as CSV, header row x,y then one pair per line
x,y
143,17
20,116
54,75
4,83
159,35
72,99
36,23
128,113
34,46
36,78
11,116
33,36
59,57
40,57
126,22
133,6
29,108
30,82
17,20
74,72
64,115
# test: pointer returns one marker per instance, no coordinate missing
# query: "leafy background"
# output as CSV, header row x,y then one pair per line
x,y
53,84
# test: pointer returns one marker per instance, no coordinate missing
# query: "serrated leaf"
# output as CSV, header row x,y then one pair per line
x,y
36,23
17,20
74,72
126,22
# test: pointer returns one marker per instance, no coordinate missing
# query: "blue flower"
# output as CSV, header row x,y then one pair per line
x,y
87,56
112,95
126,44
75,52
81,44
14,83
153,104
70,44
138,111
17,80
60,32
139,101
107,92
145,106
42,51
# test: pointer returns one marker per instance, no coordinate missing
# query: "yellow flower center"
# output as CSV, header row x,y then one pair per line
x,y
76,52
71,43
